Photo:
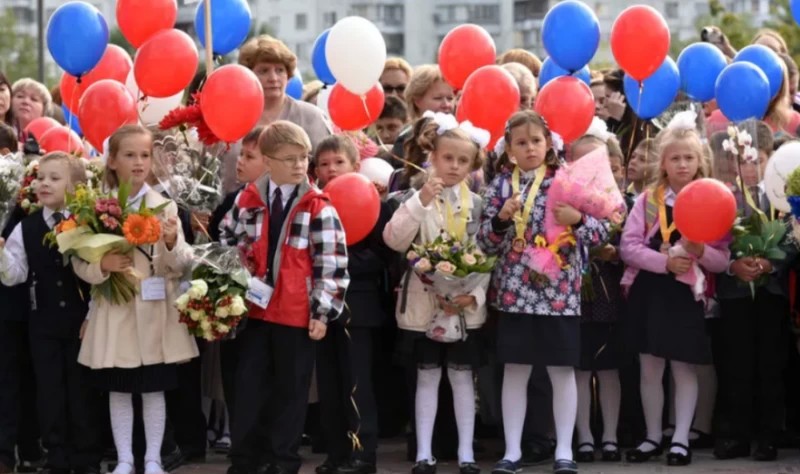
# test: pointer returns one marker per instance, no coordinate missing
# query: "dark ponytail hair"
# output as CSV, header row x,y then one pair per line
x,y
528,118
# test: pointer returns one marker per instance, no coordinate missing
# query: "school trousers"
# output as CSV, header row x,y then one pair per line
x,y
273,376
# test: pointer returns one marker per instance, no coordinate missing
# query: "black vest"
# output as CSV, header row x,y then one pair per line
x,y
59,300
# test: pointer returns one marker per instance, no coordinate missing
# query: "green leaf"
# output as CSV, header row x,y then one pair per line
x,y
123,193
775,254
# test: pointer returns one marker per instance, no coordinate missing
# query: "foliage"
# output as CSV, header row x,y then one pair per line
x,y
449,256
783,22
18,53
757,237
736,26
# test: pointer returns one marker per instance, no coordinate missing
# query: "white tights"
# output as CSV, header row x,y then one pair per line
x,y
154,414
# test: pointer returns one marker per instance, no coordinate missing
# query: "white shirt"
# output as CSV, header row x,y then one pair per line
x,y
286,192
13,259
136,201
669,197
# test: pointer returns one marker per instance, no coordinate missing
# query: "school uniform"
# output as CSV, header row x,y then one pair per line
x,y
293,241
59,302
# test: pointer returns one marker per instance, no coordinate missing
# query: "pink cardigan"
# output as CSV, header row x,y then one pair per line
x,y
637,255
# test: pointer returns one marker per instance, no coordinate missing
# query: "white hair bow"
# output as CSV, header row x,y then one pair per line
x,y
686,120
599,129
447,122
478,135
558,142
500,146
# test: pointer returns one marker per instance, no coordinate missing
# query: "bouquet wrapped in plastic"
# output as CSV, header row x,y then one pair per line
x,y
213,306
29,201
450,268
589,186
12,173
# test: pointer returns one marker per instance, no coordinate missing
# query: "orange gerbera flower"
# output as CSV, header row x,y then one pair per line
x,y
66,225
140,230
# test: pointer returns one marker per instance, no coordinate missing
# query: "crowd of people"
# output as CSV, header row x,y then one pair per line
x,y
571,369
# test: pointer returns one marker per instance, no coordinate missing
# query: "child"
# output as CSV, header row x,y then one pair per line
x,y
134,348
642,168
751,330
344,356
391,122
600,307
444,204
669,318
58,308
294,246
8,140
538,321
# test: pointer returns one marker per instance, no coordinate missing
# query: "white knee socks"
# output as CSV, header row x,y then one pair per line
x,y
652,389
427,402
514,403
685,378
565,406
464,405
121,408
154,412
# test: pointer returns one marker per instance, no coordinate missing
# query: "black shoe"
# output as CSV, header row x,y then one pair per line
x,y
766,451
173,460
703,440
197,456
504,466
277,469
535,453
356,466
26,466
679,459
638,456
583,455
469,468
55,470
425,466
327,467
731,449
87,470
611,455
237,469
565,466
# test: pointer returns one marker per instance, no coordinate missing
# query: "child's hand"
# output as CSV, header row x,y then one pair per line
x,y
432,188
566,214
763,265
317,329
115,263
615,105
694,248
678,265
464,301
170,230
745,268
457,304
608,253
510,207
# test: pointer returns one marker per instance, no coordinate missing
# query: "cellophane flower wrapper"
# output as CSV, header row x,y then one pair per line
x,y
449,286
12,174
542,261
189,172
589,186
213,306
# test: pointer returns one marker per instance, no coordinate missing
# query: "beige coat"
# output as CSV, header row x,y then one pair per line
x,y
141,332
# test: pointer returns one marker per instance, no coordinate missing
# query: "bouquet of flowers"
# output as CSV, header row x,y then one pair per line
x,y
102,223
450,268
214,304
589,186
12,172
29,201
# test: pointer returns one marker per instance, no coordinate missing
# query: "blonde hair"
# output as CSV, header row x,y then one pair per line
x,y
779,107
526,58
651,156
669,136
266,49
425,140
75,167
281,133
37,87
422,79
770,33
311,90
522,76
114,143
398,63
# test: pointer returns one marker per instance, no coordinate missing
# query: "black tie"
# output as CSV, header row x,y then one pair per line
x,y
57,218
276,212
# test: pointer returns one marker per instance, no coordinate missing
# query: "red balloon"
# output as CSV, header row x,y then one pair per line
x,y
38,127
165,64
106,106
704,211
567,104
465,49
358,204
232,102
115,64
61,139
138,20
489,98
640,41
349,111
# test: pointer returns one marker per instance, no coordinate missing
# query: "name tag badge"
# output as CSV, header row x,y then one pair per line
x,y
154,289
259,293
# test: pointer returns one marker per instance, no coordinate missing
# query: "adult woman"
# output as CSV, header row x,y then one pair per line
x,y
395,77
5,99
526,58
772,40
30,100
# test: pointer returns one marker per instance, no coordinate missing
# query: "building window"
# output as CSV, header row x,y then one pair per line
x,y
329,19
395,44
275,24
360,10
484,14
671,9
24,14
391,14
300,21
530,9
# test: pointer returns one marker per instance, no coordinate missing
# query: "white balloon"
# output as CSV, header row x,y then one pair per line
x,y
376,170
356,53
322,99
153,109
779,167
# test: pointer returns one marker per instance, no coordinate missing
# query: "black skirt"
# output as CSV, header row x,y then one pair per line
x,y
143,379
416,349
539,340
600,346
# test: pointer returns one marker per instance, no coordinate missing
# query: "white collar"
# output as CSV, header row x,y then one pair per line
x,y
47,213
136,200
669,196
286,189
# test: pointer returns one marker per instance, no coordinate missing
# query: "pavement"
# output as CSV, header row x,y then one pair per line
x,y
391,460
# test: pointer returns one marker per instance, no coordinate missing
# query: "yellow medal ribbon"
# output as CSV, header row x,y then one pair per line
x,y
564,239
524,215
666,230
457,225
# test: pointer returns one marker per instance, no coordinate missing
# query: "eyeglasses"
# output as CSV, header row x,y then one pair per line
x,y
291,160
387,89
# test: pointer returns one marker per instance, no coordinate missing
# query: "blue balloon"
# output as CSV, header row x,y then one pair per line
x,y
742,92
319,61
700,64
657,91
77,36
72,120
294,88
550,70
230,24
571,34
768,61
794,5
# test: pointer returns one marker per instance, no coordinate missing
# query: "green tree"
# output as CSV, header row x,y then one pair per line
x,y
783,22
736,26
18,55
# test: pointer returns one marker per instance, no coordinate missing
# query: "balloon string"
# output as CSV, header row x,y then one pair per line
x,y
384,146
